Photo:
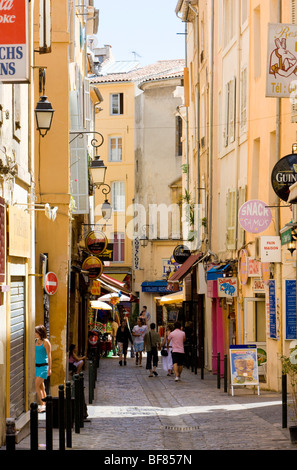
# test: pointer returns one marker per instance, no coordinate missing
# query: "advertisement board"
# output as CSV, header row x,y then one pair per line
x,y
14,47
244,366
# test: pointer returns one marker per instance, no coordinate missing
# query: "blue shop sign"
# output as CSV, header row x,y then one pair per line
x,y
155,287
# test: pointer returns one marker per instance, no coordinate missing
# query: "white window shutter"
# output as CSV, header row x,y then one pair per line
x,y
241,232
232,110
231,219
293,11
226,139
79,178
243,100
87,105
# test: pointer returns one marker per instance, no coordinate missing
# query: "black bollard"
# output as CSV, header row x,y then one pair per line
x,y
10,434
91,381
34,426
81,399
225,373
68,415
284,401
61,418
49,423
76,404
219,370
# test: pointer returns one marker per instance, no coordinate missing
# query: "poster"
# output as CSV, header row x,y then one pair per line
x,y
272,309
290,295
281,78
244,365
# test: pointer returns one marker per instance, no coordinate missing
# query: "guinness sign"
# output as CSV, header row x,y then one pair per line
x,y
284,174
181,253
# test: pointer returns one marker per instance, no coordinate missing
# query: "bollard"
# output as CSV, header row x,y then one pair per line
x,y
81,399
91,381
49,423
202,364
225,373
284,401
68,415
76,404
219,370
34,426
61,418
10,434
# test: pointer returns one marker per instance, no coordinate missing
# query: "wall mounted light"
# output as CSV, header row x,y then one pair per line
x,y
106,208
50,212
144,238
292,244
44,115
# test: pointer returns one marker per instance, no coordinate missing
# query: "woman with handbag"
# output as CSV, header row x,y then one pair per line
x,y
167,348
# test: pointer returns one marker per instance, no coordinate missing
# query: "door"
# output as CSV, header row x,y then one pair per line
x,y
255,328
17,347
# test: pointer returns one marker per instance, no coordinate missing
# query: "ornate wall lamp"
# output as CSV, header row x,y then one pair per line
x,y
292,244
43,111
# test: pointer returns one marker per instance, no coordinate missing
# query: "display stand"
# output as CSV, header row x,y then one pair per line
x,y
244,366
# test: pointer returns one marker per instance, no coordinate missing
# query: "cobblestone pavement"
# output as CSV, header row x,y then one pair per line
x,y
132,411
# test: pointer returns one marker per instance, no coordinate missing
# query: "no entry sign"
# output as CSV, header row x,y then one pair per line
x,y
51,283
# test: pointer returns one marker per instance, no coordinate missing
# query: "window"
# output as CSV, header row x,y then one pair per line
x,y
115,149
229,21
117,104
178,133
231,219
243,100
230,111
118,196
119,247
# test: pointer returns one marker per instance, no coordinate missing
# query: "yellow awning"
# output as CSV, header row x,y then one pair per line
x,y
174,298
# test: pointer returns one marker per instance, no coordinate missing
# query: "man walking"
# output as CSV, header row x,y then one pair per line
x,y
152,343
178,338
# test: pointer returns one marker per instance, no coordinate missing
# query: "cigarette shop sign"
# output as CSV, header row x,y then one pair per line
x,y
14,41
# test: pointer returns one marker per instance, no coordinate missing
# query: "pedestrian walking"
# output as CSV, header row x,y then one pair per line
x,y
152,343
122,340
138,332
144,314
178,337
43,361
114,329
167,345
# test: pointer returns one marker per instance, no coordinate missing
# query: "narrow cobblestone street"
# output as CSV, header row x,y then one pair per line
x,y
132,411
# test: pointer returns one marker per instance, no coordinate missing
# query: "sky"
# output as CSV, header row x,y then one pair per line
x,y
150,28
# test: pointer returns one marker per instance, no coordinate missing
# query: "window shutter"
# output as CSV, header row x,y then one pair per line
x,y
243,100
241,232
118,196
231,219
226,115
87,105
293,11
232,110
79,179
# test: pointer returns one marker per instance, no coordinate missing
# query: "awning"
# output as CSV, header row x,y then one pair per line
x,y
175,298
217,271
113,284
183,270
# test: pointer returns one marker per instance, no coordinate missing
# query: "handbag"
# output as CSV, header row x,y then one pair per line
x,y
164,352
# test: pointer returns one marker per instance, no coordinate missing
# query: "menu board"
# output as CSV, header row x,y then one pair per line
x,y
290,294
272,309
244,365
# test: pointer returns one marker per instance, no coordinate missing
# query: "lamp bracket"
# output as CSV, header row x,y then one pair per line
x,y
94,141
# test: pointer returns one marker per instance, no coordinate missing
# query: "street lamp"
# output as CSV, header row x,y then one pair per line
x,y
106,208
98,171
44,115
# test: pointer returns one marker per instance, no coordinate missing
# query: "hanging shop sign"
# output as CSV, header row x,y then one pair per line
x,y
254,216
50,283
272,310
96,242
227,287
94,266
96,288
254,267
265,273
14,49
283,175
271,249
243,267
181,253
258,285
244,366
281,60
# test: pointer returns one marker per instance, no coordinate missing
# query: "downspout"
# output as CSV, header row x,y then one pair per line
x,y
211,126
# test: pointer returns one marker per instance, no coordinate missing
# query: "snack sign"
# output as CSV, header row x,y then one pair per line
x,y
14,64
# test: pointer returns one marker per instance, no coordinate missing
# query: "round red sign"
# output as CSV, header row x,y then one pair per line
x,y
51,283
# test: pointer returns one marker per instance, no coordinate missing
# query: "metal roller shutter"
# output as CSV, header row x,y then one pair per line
x,y
17,347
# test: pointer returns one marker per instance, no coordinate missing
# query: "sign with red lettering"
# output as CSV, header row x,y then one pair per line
x,y
51,283
14,41
270,250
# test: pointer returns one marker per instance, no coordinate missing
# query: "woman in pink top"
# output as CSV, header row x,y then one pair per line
x,y
178,337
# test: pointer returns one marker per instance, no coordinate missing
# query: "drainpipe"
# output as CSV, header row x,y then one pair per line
x,y
211,126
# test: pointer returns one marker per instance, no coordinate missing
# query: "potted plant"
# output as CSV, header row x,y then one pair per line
x,y
289,368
